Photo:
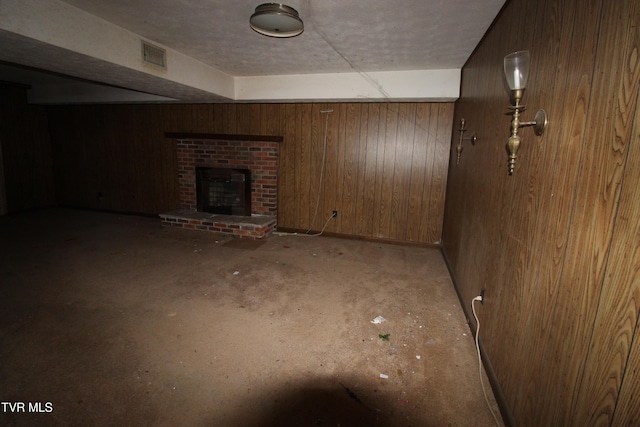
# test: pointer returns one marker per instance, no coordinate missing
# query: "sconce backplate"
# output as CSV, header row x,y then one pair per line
x,y
541,121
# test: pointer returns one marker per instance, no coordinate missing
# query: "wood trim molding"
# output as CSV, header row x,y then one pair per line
x,y
223,136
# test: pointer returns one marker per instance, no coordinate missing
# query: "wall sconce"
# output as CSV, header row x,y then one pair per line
x,y
472,138
516,70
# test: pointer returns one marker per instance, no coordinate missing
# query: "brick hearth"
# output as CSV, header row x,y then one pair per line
x,y
244,227
261,157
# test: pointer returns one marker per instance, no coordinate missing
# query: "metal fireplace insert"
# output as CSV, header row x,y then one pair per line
x,y
223,191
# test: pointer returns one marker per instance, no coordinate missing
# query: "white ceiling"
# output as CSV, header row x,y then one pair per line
x,y
349,50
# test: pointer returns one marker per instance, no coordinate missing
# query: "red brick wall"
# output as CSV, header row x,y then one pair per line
x,y
259,157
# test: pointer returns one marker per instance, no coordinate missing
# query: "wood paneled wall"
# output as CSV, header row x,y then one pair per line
x,y
556,245
26,152
114,158
384,171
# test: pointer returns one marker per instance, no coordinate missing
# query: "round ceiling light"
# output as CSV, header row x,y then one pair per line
x,y
276,20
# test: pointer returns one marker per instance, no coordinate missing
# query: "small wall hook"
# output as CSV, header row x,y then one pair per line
x,y
472,138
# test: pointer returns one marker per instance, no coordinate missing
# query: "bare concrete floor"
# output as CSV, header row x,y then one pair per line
x,y
113,320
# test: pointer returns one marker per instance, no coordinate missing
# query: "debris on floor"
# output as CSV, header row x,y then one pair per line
x,y
351,394
384,376
384,337
378,320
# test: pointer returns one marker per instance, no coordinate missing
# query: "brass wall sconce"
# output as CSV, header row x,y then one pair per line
x,y
472,138
516,70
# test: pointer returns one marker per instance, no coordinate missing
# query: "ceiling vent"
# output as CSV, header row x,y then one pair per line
x,y
154,55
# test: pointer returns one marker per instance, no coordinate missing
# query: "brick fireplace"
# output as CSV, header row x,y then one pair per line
x,y
255,153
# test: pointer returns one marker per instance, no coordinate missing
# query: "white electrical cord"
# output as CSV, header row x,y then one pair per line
x,y
324,155
280,233
473,308
322,231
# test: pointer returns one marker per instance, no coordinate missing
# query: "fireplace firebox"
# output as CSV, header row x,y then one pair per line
x,y
224,191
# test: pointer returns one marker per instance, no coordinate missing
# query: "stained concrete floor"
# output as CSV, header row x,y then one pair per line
x,y
113,320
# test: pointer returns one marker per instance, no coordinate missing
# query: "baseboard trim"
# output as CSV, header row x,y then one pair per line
x,y
362,238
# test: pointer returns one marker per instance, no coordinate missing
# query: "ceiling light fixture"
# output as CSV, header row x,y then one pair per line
x,y
276,20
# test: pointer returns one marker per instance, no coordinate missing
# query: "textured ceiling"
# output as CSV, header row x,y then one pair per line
x,y
371,35
340,35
